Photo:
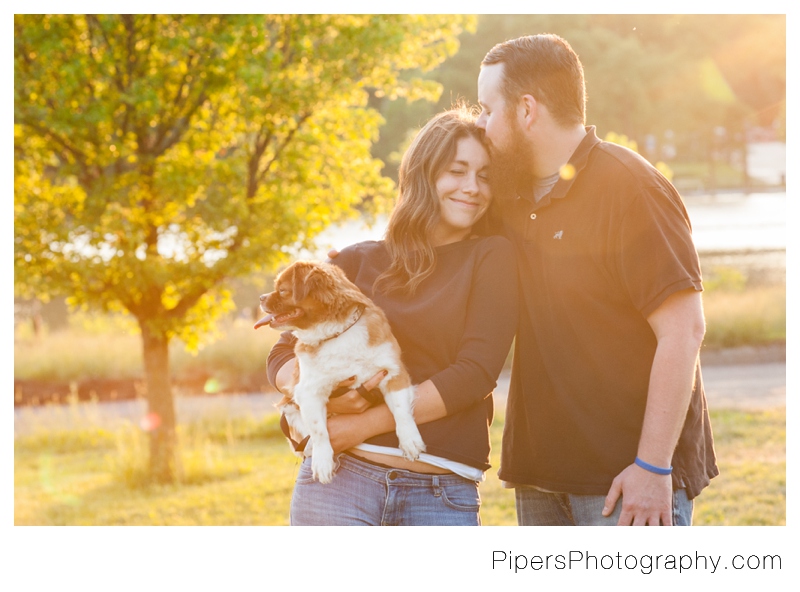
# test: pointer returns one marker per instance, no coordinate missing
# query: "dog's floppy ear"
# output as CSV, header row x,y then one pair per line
x,y
299,288
310,279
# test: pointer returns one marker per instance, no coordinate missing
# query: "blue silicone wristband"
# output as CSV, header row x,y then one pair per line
x,y
652,468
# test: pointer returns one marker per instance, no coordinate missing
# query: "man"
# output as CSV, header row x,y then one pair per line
x,y
606,420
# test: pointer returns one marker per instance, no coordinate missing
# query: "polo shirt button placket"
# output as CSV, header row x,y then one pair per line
x,y
530,229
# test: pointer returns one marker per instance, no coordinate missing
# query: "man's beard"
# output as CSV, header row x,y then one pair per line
x,y
512,164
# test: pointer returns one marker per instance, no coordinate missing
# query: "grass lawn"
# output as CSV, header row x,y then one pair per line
x,y
241,472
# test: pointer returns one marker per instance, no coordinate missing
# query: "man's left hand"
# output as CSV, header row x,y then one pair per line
x,y
646,498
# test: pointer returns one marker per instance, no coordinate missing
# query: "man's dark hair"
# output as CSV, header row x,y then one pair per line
x,y
547,68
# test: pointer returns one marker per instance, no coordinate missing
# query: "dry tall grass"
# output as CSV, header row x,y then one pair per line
x,y
735,315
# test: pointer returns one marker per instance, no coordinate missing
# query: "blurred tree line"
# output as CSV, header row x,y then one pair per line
x,y
685,88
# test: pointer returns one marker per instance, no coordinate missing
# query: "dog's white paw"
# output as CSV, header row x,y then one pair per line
x,y
412,446
322,467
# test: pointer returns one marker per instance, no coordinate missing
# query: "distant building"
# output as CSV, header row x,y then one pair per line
x,y
766,162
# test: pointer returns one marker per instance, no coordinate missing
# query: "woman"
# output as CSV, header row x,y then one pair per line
x,y
450,295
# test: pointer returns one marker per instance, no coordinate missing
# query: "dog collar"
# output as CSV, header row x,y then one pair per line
x,y
358,313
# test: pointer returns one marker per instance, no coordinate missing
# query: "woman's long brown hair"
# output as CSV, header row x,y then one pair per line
x,y
416,215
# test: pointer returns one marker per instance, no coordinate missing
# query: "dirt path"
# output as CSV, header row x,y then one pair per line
x,y
741,386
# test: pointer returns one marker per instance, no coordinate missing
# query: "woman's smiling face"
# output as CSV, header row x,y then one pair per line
x,y
463,191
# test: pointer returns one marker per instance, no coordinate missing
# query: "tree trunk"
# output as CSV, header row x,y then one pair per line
x,y
164,465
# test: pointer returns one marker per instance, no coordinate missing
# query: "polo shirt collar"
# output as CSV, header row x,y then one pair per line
x,y
577,162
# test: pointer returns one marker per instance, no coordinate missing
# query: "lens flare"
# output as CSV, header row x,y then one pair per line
x,y
567,172
150,422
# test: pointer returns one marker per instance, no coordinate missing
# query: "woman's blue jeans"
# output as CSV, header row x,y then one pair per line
x,y
365,494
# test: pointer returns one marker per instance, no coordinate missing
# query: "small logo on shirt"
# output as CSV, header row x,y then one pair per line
x,y
558,234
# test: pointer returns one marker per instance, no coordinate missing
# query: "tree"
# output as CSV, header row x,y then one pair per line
x,y
157,157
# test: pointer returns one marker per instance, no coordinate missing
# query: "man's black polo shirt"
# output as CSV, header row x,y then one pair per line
x,y
597,255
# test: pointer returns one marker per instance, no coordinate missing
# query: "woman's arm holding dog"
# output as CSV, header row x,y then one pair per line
x,y
355,421
283,376
352,429
279,370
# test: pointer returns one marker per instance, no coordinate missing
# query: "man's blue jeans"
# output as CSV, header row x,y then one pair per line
x,y
365,494
541,508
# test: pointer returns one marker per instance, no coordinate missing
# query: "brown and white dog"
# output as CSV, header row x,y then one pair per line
x,y
340,333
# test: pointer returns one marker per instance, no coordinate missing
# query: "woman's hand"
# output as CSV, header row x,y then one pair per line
x,y
352,401
349,430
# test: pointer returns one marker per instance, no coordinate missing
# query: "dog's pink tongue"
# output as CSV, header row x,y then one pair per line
x,y
265,321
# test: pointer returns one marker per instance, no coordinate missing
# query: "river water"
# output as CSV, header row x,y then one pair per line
x,y
738,222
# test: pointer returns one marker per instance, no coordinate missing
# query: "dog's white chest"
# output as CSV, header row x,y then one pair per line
x,y
349,354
